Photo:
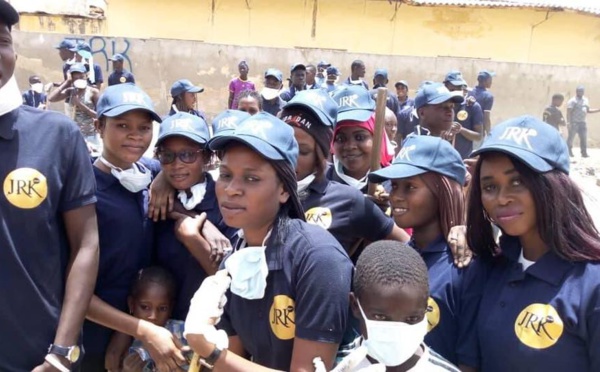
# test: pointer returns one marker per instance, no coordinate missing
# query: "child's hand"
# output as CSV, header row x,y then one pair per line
x,y
116,351
132,363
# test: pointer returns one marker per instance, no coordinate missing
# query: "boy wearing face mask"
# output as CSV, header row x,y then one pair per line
x,y
391,289
35,96
272,103
82,98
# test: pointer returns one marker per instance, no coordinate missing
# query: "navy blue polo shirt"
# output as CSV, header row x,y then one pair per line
x,y
97,72
469,116
33,99
362,83
332,175
171,254
191,112
126,240
345,213
288,94
546,318
274,106
408,103
454,297
120,77
391,101
407,121
41,182
484,97
306,296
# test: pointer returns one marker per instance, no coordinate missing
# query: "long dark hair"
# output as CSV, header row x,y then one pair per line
x,y
563,222
450,200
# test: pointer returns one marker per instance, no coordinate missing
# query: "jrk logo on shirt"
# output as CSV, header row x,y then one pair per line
x,y
25,188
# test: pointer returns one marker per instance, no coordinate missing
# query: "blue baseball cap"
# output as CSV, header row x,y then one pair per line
x,y
354,103
121,98
422,154
227,121
436,93
184,86
266,134
78,67
381,72
117,58
401,82
8,14
530,140
484,74
455,78
296,66
83,49
185,125
274,73
66,44
324,64
317,101
332,71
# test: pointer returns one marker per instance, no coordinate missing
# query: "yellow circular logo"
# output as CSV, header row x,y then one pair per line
x,y
25,188
433,314
462,115
319,216
282,317
539,326
122,79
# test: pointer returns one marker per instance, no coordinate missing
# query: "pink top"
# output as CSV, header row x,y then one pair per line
x,y
237,86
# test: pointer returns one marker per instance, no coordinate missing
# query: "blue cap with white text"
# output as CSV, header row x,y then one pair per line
x,y
436,93
531,141
354,103
422,154
121,98
227,121
185,125
318,102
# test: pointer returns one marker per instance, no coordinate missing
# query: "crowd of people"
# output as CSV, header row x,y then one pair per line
x,y
281,234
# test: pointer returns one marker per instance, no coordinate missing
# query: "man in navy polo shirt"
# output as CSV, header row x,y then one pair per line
x,y
434,104
120,75
298,82
380,80
468,116
357,74
404,100
48,234
272,102
66,54
484,97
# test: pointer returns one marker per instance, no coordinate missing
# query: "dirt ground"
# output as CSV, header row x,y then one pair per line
x,y
586,172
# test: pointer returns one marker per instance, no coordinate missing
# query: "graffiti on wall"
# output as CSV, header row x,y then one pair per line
x,y
105,47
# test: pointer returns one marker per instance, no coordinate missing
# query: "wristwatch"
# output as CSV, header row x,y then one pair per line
x,y
72,353
209,362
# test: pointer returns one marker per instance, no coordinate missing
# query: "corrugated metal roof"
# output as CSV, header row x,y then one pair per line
x,y
583,6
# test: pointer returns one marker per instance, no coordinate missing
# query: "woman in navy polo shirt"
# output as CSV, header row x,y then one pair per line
x,y
338,208
125,117
427,195
185,98
541,307
288,300
183,154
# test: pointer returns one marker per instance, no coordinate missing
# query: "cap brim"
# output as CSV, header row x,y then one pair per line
x,y
456,98
324,120
396,171
120,110
199,140
532,160
195,90
355,114
457,83
274,76
221,141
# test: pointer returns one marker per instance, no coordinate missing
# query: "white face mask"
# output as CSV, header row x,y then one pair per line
x,y
10,97
37,87
393,343
350,181
80,83
134,179
269,93
198,191
305,182
248,269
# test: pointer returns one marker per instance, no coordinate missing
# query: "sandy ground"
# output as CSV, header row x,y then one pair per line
x,y
586,172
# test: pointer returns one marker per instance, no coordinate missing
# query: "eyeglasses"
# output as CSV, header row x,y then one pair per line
x,y
186,156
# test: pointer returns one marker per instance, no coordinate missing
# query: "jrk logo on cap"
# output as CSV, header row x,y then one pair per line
x,y
519,135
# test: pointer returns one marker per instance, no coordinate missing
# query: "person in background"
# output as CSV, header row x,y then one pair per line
x,y
434,104
67,56
357,74
404,100
333,75
577,109
321,75
83,54
250,102
391,128
35,96
468,116
311,75
408,119
120,75
185,98
484,97
552,114
48,234
272,102
540,306
380,80
297,82
238,85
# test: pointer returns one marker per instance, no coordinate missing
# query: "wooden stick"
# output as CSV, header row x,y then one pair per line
x,y
378,135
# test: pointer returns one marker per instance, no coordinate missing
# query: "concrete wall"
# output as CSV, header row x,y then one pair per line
x,y
519,88
357,26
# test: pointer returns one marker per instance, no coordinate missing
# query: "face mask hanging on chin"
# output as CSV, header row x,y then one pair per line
x,y
249,270
135,179
10,96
